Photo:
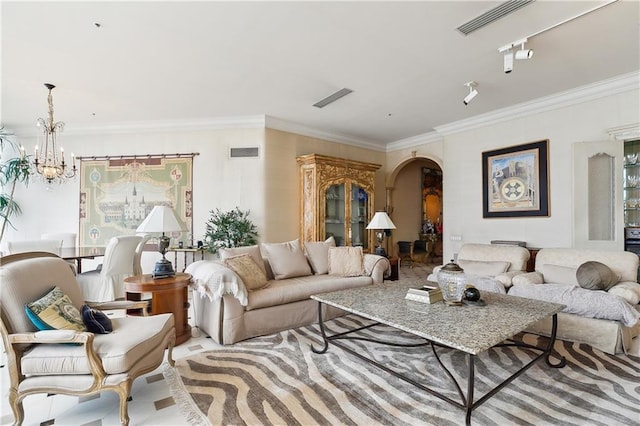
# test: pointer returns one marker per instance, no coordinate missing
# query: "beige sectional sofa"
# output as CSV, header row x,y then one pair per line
x,y
228,310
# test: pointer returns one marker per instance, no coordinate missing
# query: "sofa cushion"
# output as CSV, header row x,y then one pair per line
x,y
318,254
346,261
558,274
482,267
279,292
253,251
132,340
55,311
287,259
96,322
248,270
594,275
628,290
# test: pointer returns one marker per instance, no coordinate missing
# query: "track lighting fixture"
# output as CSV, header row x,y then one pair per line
x,y
508,62
524,53
472,92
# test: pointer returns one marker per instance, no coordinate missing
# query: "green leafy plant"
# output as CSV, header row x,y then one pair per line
x,y
229,229
12,171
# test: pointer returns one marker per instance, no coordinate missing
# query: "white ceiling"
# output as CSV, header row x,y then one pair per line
x,y
405,61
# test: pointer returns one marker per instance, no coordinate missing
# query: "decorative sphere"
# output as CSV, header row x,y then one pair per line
x,y
472,294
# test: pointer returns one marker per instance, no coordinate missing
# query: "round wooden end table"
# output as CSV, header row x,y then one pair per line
x,y
168,295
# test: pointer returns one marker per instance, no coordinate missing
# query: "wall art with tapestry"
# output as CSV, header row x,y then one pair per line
x,y
117,193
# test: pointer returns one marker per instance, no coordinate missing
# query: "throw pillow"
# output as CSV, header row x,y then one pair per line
x,y
287,259
558,274
54,311
482,267
96,321
245,267
596,276
318,254
346,261
253,251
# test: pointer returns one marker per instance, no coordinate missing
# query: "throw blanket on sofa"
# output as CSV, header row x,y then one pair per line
x,y
580,301
213,280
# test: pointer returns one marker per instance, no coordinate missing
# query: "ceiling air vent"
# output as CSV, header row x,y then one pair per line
x,y
252,152
332,98
500,11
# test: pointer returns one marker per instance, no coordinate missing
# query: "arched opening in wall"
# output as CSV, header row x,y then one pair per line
x,y
415,204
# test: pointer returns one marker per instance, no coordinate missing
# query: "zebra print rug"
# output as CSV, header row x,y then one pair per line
x,y
278,380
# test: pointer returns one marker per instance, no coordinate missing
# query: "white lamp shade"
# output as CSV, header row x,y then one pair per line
x,y
381,221
161,219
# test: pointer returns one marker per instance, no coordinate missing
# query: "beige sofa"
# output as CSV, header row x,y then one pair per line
x,y
500,262
228,311
604,319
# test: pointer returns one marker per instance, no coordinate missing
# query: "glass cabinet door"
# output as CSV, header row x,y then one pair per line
x,y
359,215
335,214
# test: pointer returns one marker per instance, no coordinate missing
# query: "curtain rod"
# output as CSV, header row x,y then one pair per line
x,y
135,156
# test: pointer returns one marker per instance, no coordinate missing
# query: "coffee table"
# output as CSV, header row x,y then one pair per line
x,y
470,329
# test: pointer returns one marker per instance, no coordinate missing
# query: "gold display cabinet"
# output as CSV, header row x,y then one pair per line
x,y
336,200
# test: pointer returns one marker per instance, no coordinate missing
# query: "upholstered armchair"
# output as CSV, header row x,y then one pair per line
x,y
66,361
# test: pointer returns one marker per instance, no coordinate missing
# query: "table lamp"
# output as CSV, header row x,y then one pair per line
x,y
380,223
161,219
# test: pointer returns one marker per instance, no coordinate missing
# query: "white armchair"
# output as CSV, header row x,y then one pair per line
x,y
45,362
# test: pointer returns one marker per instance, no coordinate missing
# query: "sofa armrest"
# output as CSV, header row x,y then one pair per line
x,y
528,278
212,279
377,267
506,278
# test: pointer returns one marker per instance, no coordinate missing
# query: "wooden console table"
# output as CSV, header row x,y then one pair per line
x,y
168,295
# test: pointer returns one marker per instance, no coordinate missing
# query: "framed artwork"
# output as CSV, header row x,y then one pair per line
x,y
515,181
117,194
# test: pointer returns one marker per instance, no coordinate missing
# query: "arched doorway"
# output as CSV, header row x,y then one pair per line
x,y
414,201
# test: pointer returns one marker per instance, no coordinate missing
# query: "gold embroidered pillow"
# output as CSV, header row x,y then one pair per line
x,y
346,261
249,272
55,311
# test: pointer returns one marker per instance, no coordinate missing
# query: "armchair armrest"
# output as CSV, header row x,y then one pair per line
x,y
528,278
506,278
121,304
58,336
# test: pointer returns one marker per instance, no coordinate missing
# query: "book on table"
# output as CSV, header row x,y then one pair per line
x,y
428,293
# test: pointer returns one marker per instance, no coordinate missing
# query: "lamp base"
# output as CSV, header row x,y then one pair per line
x,y
380,251
163,269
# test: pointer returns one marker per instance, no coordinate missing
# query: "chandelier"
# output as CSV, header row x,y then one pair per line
x,y
48,162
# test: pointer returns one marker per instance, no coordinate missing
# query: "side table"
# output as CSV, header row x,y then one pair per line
x,y
168,295
395,265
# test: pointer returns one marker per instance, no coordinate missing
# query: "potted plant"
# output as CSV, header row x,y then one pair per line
x,y
12,171
229,229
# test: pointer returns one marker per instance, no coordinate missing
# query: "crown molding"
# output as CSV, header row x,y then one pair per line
x,y
242,122
413,141
628,132
291,127
612,86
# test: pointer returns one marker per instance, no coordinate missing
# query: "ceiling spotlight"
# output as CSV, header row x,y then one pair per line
x,y
524,53
508,62
472,92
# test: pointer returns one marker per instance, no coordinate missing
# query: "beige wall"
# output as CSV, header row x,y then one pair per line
x,y
282,186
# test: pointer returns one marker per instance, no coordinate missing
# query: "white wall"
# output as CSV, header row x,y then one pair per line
x,y
218,182
563,127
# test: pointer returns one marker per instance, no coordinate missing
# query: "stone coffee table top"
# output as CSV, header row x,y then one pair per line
x,y
471,329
